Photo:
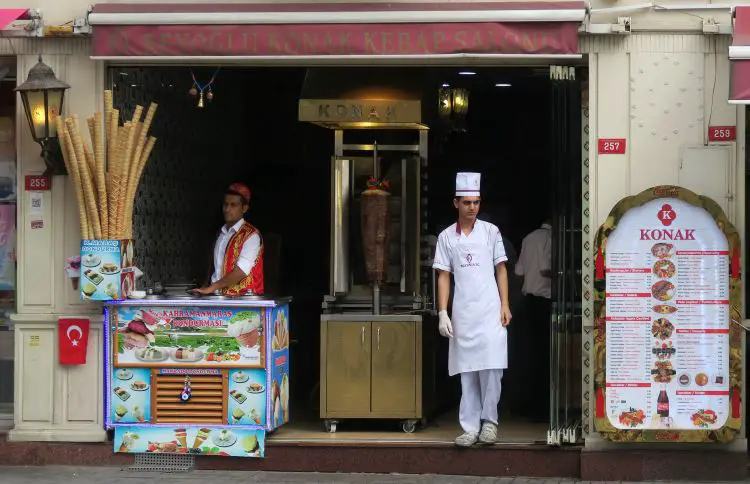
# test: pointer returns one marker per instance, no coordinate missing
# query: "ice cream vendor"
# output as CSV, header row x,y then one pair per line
x,y
238,251
472,250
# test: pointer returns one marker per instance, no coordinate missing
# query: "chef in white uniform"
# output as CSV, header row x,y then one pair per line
x,y
472,250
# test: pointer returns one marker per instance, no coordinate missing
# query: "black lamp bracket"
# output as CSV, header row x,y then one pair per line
x,y
53,157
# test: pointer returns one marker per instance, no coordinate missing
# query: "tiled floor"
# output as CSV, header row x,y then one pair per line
x,y
440,431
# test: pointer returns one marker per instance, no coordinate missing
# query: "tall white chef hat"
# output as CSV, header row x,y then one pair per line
x,y
467,184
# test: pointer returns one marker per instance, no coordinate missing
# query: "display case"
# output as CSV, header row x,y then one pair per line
x,y
205,376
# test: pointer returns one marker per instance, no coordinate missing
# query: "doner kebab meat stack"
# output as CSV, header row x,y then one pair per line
x,y
107,171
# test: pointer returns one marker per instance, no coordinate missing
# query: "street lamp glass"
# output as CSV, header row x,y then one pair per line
x,y
42,109
42,97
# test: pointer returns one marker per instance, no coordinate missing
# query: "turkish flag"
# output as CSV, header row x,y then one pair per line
x,y
73,340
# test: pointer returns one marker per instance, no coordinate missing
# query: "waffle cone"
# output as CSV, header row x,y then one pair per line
x,y
72,171
136,181
101,184
75,175
112,172
129,135
88,192
108,106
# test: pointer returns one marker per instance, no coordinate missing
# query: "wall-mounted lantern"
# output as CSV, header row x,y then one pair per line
x,y
42,97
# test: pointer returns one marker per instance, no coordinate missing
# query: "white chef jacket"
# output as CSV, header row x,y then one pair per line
x,y
248,253
536,256
483,231
479,340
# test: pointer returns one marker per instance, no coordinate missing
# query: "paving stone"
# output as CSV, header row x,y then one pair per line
x,y
109,475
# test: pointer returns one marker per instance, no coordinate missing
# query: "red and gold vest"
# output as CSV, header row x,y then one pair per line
x,y
253,283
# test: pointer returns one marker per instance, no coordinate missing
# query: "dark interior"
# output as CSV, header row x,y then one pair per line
x,y
249,132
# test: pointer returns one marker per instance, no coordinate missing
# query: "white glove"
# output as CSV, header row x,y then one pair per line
x,y
445,327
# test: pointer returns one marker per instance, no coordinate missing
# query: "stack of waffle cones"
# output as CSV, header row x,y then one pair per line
x,y
107,171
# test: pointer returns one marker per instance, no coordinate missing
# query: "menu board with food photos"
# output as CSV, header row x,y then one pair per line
x,y
200,378
667,319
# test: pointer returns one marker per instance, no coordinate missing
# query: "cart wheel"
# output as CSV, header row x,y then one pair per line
x,y
409,426
331,426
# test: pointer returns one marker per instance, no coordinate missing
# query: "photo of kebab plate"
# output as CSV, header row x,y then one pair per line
x,y
664,269
663,371
664,309
663,351
662,250
662,329
704,418
632,418
663,290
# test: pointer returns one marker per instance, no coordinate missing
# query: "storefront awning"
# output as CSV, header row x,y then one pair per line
x,y
739,58
10,15
335,30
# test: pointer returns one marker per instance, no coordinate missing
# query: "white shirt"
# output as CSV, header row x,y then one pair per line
x,y
248,253
483,232
536,256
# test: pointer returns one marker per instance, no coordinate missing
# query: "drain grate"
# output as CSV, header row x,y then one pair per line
x,y
163,463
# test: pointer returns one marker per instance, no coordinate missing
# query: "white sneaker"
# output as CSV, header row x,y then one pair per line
x,y
488,435
467,439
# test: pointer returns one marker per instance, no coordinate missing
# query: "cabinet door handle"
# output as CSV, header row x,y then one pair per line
x,y
363,335
378,339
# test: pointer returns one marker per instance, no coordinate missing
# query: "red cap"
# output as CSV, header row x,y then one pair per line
x,y
240,189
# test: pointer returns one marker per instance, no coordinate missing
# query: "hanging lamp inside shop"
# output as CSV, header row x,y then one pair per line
x,y
453,102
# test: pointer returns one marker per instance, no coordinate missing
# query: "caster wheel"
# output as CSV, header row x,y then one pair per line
x,y
331,426
409,426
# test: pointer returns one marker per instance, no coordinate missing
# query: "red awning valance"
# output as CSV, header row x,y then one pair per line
x,y
739,55
335,30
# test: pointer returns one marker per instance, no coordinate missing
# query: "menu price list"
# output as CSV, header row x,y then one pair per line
x,y
667,327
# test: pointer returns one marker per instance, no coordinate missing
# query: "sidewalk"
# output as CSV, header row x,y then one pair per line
x,y
113,475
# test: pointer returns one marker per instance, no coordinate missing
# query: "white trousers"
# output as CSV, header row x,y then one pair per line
x,y
480,395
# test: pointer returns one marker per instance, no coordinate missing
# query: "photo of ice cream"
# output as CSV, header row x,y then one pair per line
x,y
215,441
131,397
120,412
73,270
250,409
284,394
201,437
237,415
251,446
181,435
128,441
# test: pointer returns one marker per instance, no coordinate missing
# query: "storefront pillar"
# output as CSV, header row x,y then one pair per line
x,y
53,402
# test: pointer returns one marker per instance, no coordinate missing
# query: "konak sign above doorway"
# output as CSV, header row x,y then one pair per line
x,y
336,30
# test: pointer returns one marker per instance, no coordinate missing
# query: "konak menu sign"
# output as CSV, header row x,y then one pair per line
x,y
664,274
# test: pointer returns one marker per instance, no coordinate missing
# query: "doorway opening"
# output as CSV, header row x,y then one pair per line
x,y
521,131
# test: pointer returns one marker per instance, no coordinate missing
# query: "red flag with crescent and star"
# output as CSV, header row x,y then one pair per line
x,y
73,340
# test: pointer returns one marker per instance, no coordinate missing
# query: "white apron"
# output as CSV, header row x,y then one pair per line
x,y
480,341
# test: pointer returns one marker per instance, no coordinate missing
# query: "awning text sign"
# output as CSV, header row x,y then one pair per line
x,y
357,110
531,38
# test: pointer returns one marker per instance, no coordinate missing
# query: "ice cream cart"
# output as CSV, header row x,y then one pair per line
x,y
196,375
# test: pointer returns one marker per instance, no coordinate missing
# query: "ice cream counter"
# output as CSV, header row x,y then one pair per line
x,y
204,376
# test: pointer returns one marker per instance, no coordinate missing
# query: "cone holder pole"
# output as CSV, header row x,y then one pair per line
x,y
376,283
375,298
